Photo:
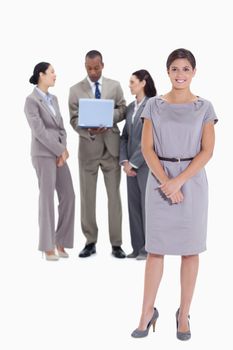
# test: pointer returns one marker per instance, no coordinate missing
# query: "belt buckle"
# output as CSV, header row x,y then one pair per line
x,y
178,160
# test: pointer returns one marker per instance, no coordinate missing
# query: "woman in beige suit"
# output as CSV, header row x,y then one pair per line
x,y
49,155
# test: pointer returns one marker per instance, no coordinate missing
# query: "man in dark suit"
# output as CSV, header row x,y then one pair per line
x,y
98,148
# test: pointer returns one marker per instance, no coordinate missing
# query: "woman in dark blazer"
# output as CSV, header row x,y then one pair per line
x,y
142,86
49,155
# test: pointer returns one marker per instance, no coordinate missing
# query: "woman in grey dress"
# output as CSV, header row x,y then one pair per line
x,y
177,142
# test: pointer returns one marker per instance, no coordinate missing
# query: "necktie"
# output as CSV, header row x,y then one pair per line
x,y
97,90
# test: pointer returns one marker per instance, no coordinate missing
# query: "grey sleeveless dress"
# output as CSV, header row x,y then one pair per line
x,y
177,229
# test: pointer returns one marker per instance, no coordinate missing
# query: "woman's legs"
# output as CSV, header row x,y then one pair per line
x,y
65,226
46,172
188,276
135,215
153,275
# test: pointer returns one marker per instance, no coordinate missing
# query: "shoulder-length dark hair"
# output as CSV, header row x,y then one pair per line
x,y
149,88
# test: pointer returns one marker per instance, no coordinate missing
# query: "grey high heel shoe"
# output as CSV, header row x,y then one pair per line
x,y
141,334
182,335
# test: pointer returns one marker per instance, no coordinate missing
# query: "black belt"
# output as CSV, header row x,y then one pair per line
x,y
175,159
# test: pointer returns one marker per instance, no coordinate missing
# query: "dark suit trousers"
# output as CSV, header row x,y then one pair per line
x,y
88,170
136,187
51,178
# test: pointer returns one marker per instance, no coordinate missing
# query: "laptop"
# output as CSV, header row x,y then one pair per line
x,y
95,113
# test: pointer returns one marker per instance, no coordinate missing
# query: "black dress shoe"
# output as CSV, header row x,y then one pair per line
x,y
88,250
118,252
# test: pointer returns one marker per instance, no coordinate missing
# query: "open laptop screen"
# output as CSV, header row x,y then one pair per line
x,y
95,113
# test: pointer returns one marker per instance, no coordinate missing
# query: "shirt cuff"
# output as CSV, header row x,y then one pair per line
x,y
133,166
122,161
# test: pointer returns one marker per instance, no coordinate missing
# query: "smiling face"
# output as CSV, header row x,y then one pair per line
x,y
181,73
48,78
94,67
136,86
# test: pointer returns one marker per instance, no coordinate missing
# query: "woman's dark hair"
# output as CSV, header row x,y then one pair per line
x,y
149,88
181,53
39,68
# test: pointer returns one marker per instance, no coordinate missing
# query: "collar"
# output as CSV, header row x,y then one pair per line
x,y
137,105
92,83
47,96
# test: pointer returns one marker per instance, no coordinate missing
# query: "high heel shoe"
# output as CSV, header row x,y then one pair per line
x,y
137,333
61,252
182,335
51,257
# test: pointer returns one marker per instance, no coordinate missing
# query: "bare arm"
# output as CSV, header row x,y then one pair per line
x,y
151,158
153,161
202,158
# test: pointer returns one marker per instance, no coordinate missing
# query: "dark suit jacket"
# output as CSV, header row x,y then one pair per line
x,y
130,146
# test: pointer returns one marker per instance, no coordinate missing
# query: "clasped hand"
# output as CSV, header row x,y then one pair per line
x,y
128,169
172,189
62,158
96,131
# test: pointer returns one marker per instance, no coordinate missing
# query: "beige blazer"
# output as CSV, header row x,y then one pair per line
x,y
89,149
48,133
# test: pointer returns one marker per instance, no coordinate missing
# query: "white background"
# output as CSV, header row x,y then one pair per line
x,y
97,301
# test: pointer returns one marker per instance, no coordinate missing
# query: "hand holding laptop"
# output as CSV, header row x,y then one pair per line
x,y
96,131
